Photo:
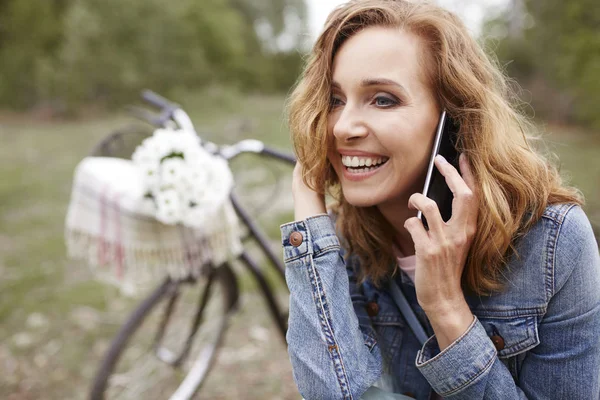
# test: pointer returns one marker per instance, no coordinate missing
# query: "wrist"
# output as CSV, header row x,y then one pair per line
x,y
449,321
308,205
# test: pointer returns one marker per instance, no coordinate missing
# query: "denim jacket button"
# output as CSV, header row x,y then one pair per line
x,y
372,309
498,342
296,239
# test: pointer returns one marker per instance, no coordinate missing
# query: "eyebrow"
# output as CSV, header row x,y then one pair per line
x,y
375,82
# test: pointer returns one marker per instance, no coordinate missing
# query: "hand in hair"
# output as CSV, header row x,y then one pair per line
x,y
442,251
307,202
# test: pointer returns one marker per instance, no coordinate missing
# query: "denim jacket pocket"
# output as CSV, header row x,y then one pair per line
x,y
512,337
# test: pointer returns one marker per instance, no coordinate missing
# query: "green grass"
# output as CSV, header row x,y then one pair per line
x,y
37,161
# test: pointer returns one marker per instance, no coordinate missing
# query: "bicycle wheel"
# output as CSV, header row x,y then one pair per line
x,y
122,142
137,366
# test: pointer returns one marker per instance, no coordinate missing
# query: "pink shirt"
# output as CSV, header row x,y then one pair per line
x,y
406,264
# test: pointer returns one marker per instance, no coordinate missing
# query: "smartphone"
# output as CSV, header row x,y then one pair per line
x,y
435,184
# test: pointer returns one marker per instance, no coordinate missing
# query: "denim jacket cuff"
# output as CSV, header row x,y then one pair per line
x,y
313,235
460,364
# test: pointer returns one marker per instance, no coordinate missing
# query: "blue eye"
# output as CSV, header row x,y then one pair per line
x,y
335,102
385,102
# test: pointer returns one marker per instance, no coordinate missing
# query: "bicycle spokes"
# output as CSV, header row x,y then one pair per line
x,y
162,351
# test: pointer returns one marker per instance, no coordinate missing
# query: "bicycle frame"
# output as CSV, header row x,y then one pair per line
x,y
172,113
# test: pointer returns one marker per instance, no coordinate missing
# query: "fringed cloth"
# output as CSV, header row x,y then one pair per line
x,y
110,225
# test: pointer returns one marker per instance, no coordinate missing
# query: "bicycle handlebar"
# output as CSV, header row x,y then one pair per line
x,y
251,146
279,155
157,100
172,111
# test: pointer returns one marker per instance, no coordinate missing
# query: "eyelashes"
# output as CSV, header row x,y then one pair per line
x,y
386,101
379,100
335,101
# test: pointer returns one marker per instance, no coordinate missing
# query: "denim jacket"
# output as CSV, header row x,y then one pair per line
x,y
538,339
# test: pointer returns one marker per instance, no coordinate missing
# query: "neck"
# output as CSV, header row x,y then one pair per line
x,y
396,216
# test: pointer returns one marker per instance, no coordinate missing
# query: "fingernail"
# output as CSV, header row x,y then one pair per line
x,y
441,159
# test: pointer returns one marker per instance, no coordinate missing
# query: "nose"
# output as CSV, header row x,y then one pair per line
x,y
349,124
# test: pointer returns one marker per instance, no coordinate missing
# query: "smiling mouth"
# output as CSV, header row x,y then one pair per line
x,y
358,165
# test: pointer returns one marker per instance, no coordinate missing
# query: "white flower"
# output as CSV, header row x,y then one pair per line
x,y
189,139
193,153
162,135
173,172
223,174
158,148
142,156
168,206
178,140
196,175
150,176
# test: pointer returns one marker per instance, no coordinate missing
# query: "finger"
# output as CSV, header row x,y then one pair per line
x,y
430,210
417,231
463,195
453,179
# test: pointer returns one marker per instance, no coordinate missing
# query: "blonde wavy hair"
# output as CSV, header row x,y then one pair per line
x,y
514,182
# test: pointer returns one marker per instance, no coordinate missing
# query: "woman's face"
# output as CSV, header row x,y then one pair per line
x,y
383,117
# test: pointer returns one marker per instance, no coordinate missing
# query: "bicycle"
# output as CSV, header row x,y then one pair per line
x,y
207,312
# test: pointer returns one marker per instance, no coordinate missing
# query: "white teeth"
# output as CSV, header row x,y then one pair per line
x,y
362,170
355,161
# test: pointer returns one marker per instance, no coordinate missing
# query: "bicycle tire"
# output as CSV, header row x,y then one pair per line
x,y
225,278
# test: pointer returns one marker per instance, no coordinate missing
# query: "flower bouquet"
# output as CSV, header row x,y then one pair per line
x,y
186,183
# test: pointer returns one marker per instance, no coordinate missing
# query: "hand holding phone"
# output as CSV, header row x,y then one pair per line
x,y
435,184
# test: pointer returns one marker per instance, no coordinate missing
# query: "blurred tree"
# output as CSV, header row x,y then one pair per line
x,y
113,48
556,55
30,36
91,50
275,15
272,63
567,38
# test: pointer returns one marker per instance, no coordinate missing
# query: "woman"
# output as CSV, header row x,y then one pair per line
x,y
507,289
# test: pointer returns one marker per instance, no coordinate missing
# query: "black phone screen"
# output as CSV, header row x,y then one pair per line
x,y
435,184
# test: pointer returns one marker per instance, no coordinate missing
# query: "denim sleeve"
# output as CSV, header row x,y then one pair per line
x,y
566,363
331,348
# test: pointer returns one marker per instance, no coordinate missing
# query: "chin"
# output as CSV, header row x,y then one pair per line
x,y
360,199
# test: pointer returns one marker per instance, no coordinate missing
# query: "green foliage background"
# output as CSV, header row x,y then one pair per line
x,y
67,52
554,54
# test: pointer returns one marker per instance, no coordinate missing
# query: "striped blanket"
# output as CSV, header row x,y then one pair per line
x,y
111,226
